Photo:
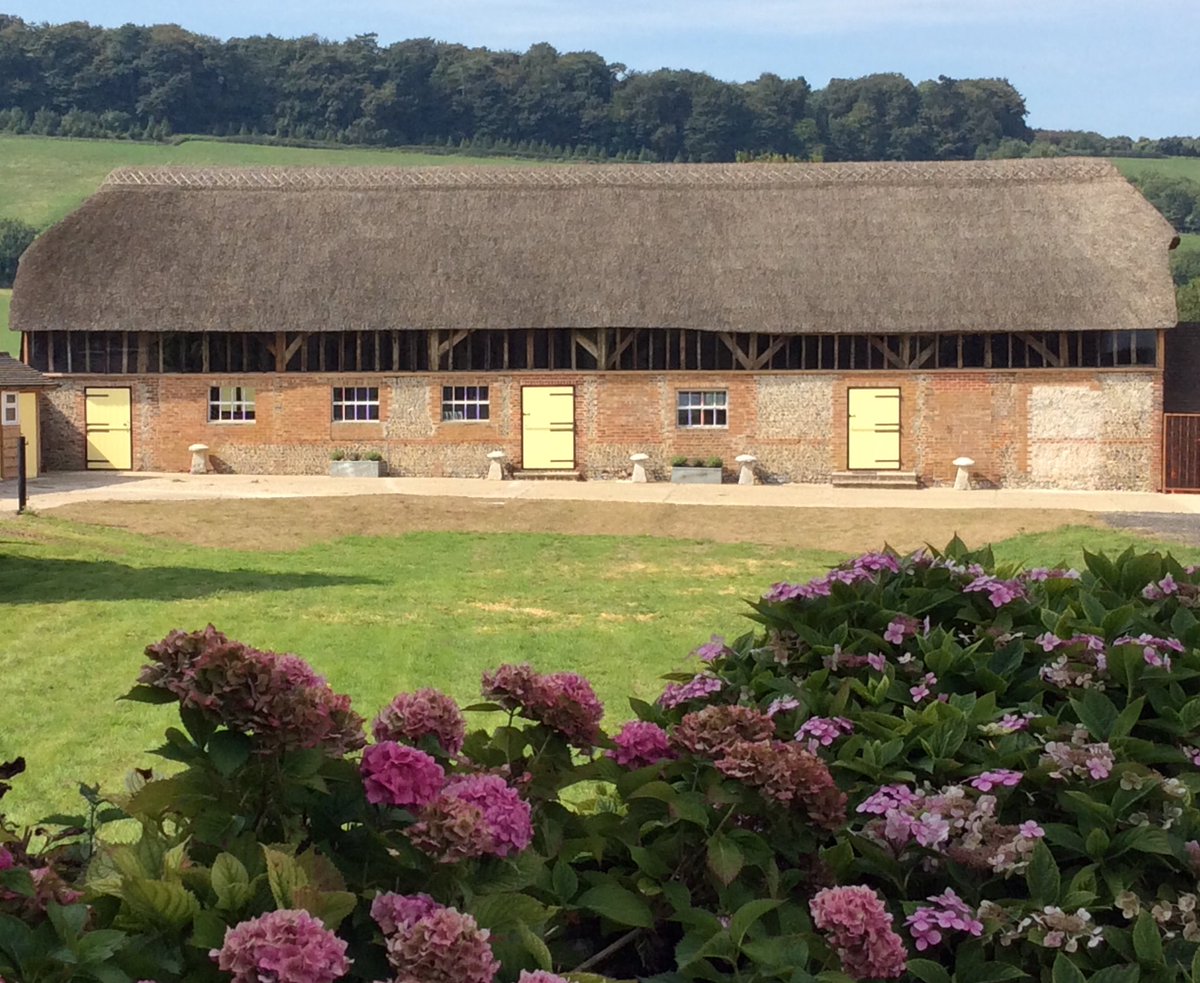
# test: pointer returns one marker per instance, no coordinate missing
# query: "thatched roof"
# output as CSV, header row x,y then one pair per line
x,y
793,248
19,376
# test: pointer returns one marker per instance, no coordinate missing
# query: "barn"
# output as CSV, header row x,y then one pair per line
x,y
834,320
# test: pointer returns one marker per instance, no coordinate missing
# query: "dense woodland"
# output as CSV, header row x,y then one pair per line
x,y
78,80
150,83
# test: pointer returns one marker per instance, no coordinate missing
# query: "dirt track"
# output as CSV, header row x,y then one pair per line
x,y
283,524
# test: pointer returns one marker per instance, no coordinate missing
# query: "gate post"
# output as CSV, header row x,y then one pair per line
x,y
21,496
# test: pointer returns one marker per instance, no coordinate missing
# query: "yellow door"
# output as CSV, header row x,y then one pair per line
x,y
109,438
547,427
28,415
874,438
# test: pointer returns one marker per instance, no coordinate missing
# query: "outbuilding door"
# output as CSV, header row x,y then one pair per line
x,y
107,417
547,427
873,441
28,403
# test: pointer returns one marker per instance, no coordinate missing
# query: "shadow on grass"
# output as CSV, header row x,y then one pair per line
x,y
32,580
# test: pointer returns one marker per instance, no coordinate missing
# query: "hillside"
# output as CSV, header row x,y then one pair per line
x,y
1185,167
43,178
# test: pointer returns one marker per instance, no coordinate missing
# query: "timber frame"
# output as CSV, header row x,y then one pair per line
x,y
593,349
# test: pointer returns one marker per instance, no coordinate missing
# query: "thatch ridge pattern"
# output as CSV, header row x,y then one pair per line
x,y
615,175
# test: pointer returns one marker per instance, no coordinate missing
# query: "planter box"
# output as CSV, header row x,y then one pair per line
x,y
355,469
695,476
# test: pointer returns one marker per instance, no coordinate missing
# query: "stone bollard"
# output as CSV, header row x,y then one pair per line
x,y
495,469
962,479
639,469
199,458
746,475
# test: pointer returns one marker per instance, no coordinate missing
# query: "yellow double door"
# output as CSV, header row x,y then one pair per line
x,y
547,428
107,421
873,440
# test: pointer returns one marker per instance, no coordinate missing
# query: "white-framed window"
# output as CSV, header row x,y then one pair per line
x,y
702,408
465,403
9,407
352,404
231,404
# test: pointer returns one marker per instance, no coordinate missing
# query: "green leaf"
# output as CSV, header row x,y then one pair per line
x,y
1096,712
745,917
101,945
68,920
160,902
1065,971
1147,943
1143,839
230,882
564,880
1102,567
782,950
284,875
1128,719
504,911
208,930
617,904
1042,876
928,971
536,947
331,907
1119,974
725,859
228,750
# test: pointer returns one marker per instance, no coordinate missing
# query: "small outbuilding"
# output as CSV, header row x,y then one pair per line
x,y
21,390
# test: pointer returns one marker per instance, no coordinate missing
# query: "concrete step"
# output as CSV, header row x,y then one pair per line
x,y
548,475
875,479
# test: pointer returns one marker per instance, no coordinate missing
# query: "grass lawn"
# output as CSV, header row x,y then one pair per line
x,y
10,341
375,615
43,178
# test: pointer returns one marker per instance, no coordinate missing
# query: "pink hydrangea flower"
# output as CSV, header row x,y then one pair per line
x,y
1000,592
700,687
711,650
859,929
282,945
443,946
396,775
823,731
506,814
947,912
393,912
6,859
782,704
1031,830
988,780
640,743
898,629
540,976
451,830
411,717
877,661
888,798
563,701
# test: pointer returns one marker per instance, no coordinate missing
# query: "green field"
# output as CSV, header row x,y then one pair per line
x,y
1188,167
43,178
10,341
375,615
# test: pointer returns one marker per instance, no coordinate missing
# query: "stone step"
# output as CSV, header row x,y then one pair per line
x,y
875,479
553,474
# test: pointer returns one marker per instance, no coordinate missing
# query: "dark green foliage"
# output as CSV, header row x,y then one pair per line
x,y
15,237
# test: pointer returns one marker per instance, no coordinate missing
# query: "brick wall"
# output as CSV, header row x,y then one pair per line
x,y
1047,428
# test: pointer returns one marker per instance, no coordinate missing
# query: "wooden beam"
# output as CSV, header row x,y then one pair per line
x,y
731,343
764,358
291,350
923,355
890,358
625,338
589,345
1038,346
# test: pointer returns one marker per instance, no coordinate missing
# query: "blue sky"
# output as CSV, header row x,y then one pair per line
x,y
1116,66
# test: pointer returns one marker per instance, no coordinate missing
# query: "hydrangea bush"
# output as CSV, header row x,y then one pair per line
x,y
922,767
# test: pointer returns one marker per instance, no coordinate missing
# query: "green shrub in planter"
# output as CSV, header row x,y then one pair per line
x,y
714,462
338,455
372,456
679,461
